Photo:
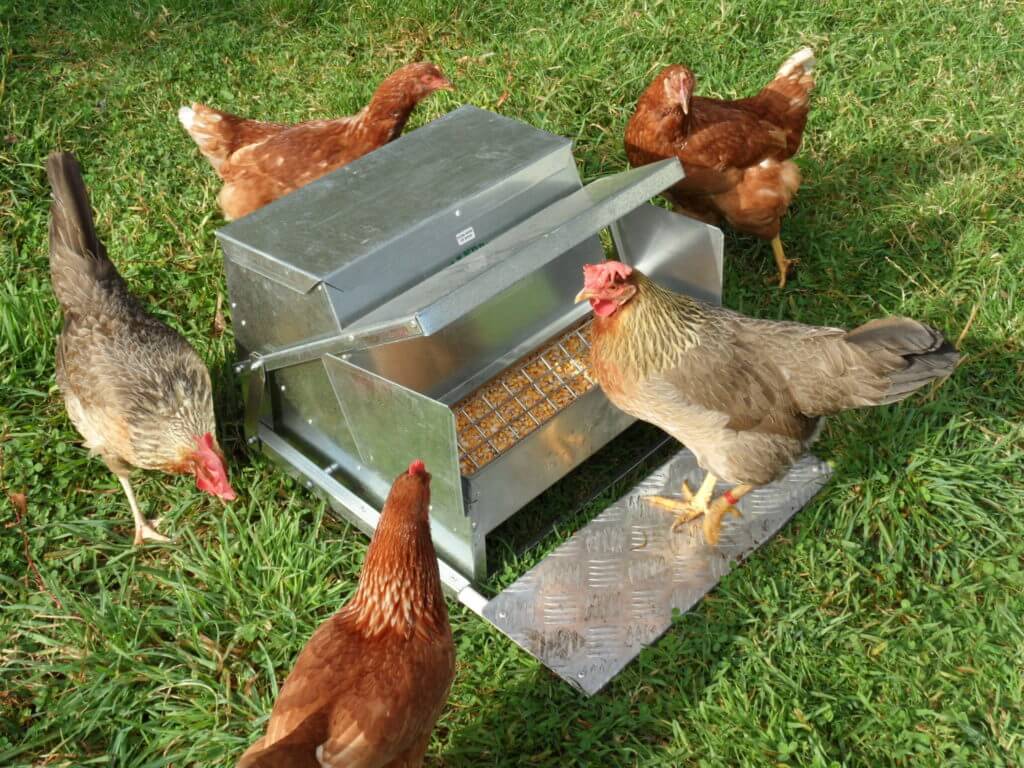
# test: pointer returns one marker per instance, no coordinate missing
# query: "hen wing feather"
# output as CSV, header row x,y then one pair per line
x,y
351,703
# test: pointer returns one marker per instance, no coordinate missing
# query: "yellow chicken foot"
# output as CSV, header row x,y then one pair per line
x,y
691,506
781,261
145,530
719,508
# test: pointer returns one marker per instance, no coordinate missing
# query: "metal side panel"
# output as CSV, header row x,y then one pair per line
x,y
391,426
355,509
681,253
593,604
546,455
266,315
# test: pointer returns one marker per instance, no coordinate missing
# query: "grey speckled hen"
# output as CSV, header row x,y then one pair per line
x,y
136,391
747,396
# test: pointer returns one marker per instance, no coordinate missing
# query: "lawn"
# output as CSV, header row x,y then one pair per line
x,y
882,627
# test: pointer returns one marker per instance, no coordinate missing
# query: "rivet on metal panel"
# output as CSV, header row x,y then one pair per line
x,y
310,422
282,387
252,440
309,483
331,468
458,212
234,304
243,323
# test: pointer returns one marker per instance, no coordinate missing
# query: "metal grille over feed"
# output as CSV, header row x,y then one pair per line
x,y
524,396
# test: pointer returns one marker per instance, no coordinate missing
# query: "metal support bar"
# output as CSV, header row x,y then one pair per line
x,y
334,344
253,401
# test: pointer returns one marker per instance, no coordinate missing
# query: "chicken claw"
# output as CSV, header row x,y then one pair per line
x,y
148,532
695,505
718,509
145,530
781,261
688,511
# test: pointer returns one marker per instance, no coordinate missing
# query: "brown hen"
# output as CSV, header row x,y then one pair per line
x,y
134,388
260,162
747,396
371,682
736,154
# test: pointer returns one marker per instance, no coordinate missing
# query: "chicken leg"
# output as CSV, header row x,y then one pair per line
x,y
694,505
145,530
781,261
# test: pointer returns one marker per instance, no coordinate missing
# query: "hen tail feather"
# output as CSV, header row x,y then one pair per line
x,y
928,355
78,260
220,134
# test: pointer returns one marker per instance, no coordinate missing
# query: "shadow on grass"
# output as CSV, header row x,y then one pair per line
x,y
532,717
872,217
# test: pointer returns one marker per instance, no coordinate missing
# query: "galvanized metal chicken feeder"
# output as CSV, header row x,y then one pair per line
x,y
418,303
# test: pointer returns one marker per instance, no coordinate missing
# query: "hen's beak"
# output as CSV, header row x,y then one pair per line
x,y
444,84
583,296
684,97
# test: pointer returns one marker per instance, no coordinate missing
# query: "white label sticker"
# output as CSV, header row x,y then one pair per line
x,y
465,236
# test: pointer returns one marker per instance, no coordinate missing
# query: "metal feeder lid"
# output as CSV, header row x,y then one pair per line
x,y
386,195
453,292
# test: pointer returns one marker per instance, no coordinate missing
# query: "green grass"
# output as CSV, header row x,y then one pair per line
x,y
883,626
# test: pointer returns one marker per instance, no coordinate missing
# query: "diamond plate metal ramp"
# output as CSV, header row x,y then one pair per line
x,y
609,591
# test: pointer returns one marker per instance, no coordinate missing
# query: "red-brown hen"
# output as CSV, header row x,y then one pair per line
x,y
371,682
260,162
736,154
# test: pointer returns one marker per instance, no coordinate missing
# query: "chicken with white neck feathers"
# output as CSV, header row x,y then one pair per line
x,y
747,396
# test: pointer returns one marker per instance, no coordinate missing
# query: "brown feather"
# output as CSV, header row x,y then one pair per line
x,y
372,680
735,153
260,162
220,134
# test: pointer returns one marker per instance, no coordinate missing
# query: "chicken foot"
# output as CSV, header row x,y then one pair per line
x,y
145,530
694,505
781,261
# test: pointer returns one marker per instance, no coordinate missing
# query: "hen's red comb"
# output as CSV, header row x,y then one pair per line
x,y
597,276
417,467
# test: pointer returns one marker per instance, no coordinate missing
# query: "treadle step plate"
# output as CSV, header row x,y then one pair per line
x,y
610,590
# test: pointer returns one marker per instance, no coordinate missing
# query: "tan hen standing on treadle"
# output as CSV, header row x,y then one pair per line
x,y
260,162
736,154
134,388
747,396
371,682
